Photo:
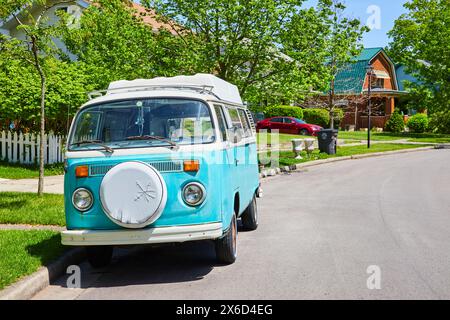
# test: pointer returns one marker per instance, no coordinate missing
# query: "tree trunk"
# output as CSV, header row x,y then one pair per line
x,y
331,105
42,129
42,142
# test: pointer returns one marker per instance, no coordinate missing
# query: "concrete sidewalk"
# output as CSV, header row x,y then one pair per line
x,y
52,184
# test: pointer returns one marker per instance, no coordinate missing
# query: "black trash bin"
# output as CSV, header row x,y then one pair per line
x,y
327,140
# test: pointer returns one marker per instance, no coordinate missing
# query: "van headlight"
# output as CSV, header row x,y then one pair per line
x,y
82,199
194,194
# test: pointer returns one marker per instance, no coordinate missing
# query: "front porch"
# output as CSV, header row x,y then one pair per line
x,y
356,112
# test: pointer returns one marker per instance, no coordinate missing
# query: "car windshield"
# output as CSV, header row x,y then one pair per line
x,y
300,121
142,123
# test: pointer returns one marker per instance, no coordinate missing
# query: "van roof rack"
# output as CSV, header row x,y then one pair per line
x,y
200,89
201,83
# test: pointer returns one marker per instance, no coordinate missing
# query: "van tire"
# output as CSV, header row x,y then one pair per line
x,y
250,216
99,256
226,246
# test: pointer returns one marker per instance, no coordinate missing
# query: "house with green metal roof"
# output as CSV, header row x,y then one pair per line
x,y
352,88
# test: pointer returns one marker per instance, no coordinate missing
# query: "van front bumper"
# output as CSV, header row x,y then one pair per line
x,y
142,236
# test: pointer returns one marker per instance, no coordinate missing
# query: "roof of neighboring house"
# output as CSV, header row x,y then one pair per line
x,y
148,16
350,79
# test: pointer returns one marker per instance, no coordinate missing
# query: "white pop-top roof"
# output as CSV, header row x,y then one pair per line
x,y
203,83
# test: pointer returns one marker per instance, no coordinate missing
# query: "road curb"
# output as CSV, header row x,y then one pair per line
x,y
274,171
29,286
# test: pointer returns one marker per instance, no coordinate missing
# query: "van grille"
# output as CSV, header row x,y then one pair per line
x,y
161,166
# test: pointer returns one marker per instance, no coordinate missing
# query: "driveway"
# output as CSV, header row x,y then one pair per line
x,y
319,232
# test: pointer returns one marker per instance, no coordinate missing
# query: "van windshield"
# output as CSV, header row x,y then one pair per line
x,y
142,123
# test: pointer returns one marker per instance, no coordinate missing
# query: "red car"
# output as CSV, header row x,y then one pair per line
x,y
288,125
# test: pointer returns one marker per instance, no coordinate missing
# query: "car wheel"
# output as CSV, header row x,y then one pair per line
x,y
304,132
226,246
99,256
250,216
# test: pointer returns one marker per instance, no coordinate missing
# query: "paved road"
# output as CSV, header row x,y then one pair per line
x,y
319,231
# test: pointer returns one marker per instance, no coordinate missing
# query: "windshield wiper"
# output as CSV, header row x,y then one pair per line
x,y
96,142
148,137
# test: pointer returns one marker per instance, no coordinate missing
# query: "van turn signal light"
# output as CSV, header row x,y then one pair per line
x,y
191,165
82,171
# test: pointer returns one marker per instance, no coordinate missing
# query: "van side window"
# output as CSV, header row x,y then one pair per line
x,y
222,122
245,123
235,119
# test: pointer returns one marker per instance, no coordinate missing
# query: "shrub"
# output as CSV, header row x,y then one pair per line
x,y
283,111
319,117
395,123
418,123
440,122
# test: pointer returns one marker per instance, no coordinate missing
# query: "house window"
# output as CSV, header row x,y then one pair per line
x,y
377,83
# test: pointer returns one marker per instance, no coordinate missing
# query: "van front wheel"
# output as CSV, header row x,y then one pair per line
x,y
250,216
226,246
99,256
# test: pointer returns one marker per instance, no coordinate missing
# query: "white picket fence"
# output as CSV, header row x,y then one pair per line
x,y
24,148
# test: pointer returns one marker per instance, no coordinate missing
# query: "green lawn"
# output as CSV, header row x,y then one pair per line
x,y
18,171
356,136
283,138
28,208
288,158
387,136
23,252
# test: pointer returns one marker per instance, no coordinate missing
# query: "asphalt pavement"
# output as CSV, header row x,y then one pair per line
x,y
375,228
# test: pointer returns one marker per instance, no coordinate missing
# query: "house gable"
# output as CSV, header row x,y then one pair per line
x,y
383,67
352,79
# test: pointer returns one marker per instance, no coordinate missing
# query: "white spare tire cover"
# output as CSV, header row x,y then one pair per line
x,y
133,194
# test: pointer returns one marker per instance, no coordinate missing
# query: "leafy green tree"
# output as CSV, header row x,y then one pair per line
x,y
305,40
36,47
67,84
234,39
333,40
420,41
116,42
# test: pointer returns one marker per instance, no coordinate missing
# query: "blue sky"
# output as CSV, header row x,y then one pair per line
x,y
390,10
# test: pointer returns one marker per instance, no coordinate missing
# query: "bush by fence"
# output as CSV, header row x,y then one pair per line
x,y
24,148
418,123
319,117
283,111
395,123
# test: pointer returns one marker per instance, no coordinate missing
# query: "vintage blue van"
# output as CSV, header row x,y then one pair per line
x,y
162,160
